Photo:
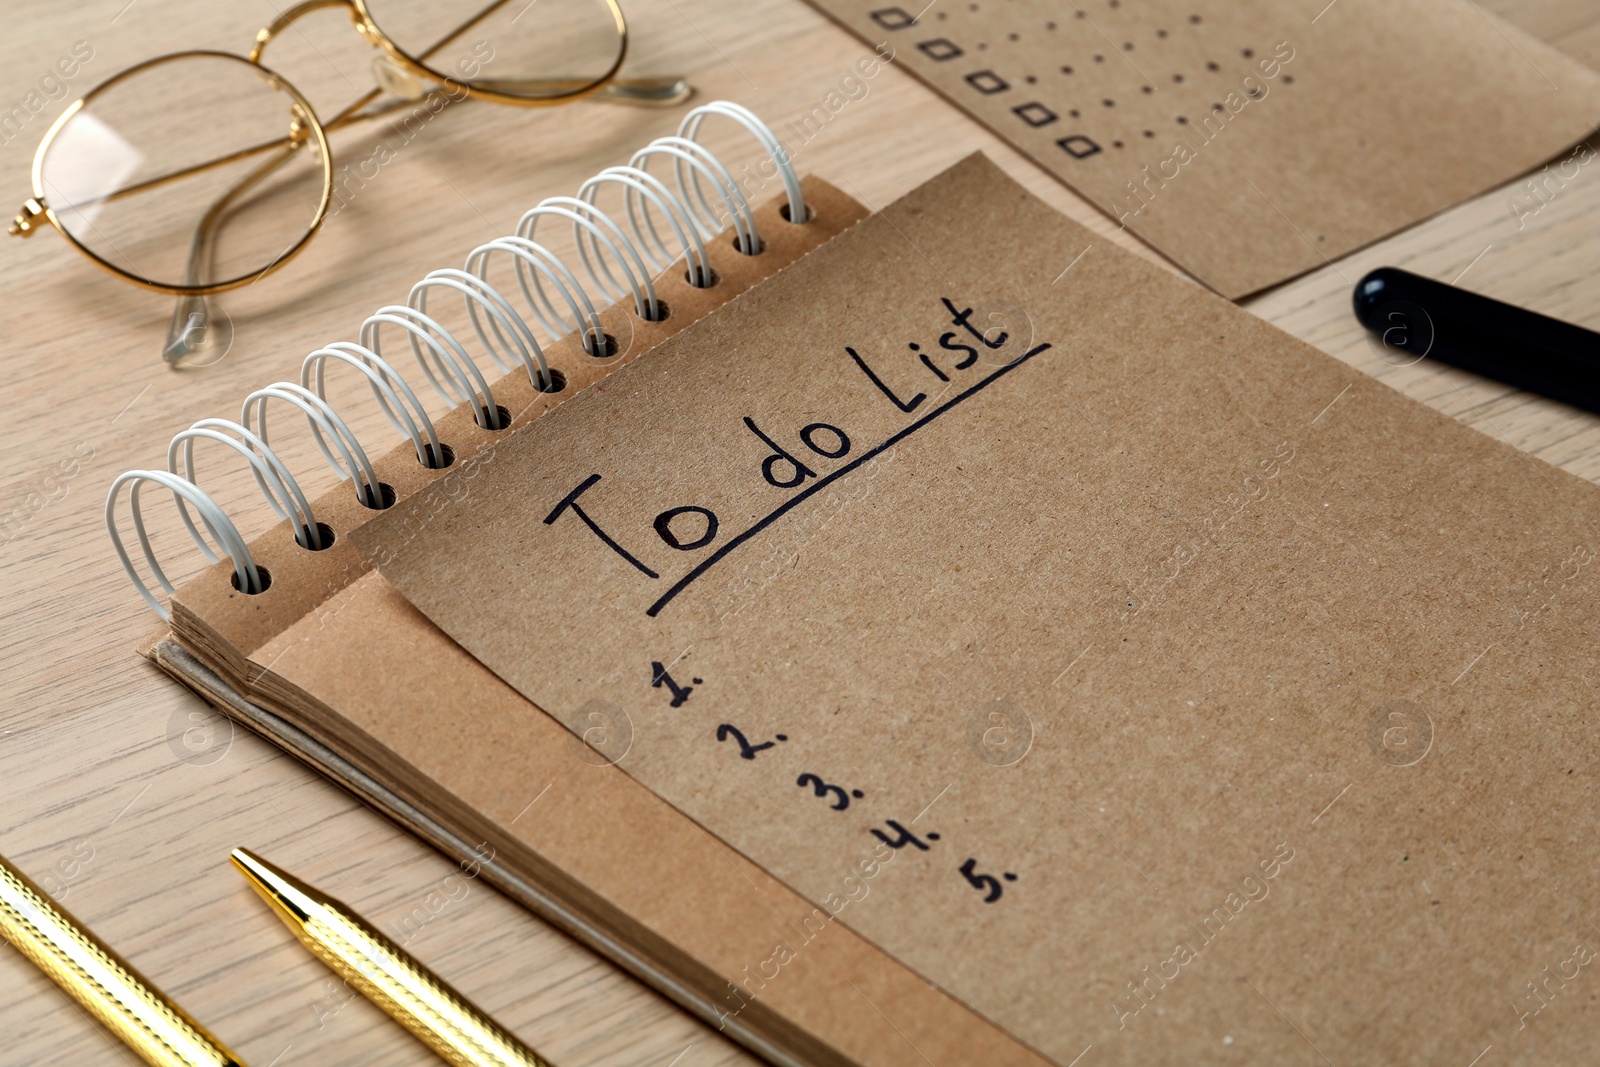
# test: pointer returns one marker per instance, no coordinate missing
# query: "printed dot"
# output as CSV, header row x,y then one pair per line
x,y
1161,33
1113,3
1288,79
1212,66
783,737
1127,46
1030,79
981,46
1149,133
1147,89
1248,52
696,681
1008,876
1066,70
1012,37
1099,59
933,837
942,15
1194,20
1081,14
858,794
1177,77
1049,25
1073,113
1182,121
1116,144
1109,103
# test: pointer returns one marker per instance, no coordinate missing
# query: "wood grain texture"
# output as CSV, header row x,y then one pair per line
x,y
123,793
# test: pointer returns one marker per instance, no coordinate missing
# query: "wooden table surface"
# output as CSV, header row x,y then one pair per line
x,y
122,794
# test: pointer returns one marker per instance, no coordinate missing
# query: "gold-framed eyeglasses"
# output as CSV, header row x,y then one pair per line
x,y
200,171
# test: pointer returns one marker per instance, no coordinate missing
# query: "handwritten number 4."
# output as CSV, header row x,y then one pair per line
x,y
903,837
746,749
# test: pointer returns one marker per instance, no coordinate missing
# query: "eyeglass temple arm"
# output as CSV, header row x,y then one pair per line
x,y
639,92
662,91
647,92
193,313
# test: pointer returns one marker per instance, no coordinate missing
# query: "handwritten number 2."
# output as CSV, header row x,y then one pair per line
x,y
746,749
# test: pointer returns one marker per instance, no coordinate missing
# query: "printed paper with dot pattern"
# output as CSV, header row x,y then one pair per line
x,y
1249,141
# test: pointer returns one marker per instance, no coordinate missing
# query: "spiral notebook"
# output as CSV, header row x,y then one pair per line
x,y
328,662
976,644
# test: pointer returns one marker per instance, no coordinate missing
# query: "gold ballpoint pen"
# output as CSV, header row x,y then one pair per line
x,y
414,996
100,980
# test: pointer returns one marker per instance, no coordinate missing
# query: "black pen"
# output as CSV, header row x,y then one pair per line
x,y
1422,317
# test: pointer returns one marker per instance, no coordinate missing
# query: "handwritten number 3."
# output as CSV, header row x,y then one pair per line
x,y
822,789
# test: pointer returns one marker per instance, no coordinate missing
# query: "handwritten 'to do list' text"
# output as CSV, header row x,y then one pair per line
x,y
808,460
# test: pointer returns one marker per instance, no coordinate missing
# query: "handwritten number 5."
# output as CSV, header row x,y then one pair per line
x,y
987,882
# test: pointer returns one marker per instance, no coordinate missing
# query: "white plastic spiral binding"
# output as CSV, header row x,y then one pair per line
x,y
620,263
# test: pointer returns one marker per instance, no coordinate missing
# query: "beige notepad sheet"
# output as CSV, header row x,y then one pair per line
x,y
1207,700
1248,140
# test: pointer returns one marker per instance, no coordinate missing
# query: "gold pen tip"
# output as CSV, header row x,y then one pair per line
x,y
417,998
291,898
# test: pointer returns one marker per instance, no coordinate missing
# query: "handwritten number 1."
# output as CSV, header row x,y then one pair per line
x,y
680,693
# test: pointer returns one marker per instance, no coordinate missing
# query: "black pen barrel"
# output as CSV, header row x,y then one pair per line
x,y
1422,317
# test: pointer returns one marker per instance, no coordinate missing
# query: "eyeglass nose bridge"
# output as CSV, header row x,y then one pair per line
x,y
391,76
301,10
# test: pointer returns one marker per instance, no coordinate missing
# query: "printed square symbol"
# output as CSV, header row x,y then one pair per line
x,y
1078,146
987,82
893,18
1035,114
940,49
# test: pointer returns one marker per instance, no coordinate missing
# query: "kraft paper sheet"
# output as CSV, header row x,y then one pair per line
x,y
1201,699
